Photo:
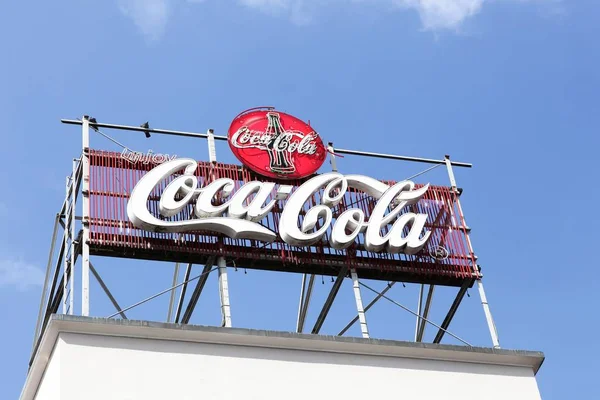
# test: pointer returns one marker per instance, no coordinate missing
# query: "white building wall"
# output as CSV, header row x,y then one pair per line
x,y
94,367
49,388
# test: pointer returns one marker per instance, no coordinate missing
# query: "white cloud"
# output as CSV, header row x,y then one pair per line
x,y
443,14
20,274
150,16
435,15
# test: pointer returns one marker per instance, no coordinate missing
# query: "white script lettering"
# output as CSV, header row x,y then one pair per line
x,y
239,213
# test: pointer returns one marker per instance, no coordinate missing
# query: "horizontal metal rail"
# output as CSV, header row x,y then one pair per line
x,y
142,129
221,137
402,158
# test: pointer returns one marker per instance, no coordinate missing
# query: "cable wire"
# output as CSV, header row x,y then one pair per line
x,y
109,137
161,293
423,172
414,313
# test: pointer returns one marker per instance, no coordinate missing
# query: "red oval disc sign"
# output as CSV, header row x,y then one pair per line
x,y
276,144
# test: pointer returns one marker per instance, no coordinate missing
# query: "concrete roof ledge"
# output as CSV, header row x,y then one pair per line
x,y
271,339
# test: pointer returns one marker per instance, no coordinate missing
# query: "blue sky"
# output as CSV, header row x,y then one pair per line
x,y
509,85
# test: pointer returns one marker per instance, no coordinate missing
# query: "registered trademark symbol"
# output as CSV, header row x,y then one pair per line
x,y
439,253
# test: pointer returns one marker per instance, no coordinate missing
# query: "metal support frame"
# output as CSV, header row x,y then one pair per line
x,y
301,302
224,138
67,258
54,290
305,297
484,302
419,306
67,246
212,150
371,303
45,289
327,306
332,157
197,290
108,293
423,321
172,298
224,293
85,248
446,323
488,315
71,234
364,330
188,271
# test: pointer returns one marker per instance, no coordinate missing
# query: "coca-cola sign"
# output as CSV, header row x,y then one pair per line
x,y
276,144
390,227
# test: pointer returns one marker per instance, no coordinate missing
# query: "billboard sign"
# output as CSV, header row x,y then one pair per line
x,y
276,212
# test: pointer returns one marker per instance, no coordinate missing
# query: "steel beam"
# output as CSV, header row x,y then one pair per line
x,y
172,299
301,302
108,293
188,271
402,158
143,129
71,235
379,296
224,138
423,321
488,315
306,304
327,306
46,278
419,307
197,290
452,311
54,290
85,248
224,293
364,330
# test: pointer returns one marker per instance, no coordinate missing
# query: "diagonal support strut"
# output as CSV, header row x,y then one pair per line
x,y
327,306
452,311
197,290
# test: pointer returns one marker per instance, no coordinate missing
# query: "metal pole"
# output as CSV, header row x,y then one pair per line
x,y
415,314
224,293
85,248
71,221
66,260
188,271
484,302
142,129
172,299
212,150
379,295
301,303
453,308
450,172
307,297
364,330
425,313
224,138
329,301
45,289
108,293
403,158
208,267
147,299
419,306
488,315
332,157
